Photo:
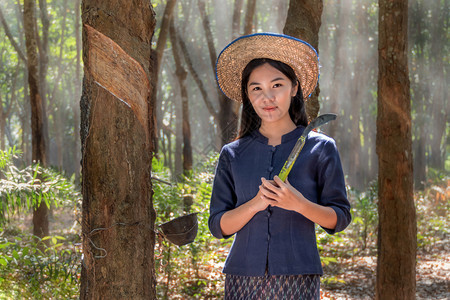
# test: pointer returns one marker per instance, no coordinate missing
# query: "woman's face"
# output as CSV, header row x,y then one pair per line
x,y
270,93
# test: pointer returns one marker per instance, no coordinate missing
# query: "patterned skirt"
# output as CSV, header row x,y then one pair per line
x,y
298,287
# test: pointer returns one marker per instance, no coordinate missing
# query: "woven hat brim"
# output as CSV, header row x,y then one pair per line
x,y
298,54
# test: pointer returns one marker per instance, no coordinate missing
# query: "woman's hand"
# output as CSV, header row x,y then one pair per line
x,y
260,201
281,194
284,195
233,220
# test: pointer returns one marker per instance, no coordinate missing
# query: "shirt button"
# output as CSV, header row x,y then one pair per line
x,y
268,237
273,149
268,214
270,169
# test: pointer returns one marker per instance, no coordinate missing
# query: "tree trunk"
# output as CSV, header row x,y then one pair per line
x,y
227,117
43,69
236,25
177,103
303,21
340,65
25,116
117,134
158,57
439,106
181,74
11,38
249,16
39,147
359,92
2,125
75,106
196,78
417,28
396,277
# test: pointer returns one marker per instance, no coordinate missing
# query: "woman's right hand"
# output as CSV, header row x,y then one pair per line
x,y
260,201
233,220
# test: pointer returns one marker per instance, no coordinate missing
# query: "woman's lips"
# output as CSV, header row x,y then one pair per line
x,y
269,108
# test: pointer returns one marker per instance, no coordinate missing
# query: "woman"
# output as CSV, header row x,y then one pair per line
x,y
274,254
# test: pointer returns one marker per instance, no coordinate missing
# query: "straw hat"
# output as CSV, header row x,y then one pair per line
x,y
298,54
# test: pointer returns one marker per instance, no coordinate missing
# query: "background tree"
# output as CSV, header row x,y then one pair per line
x,y
39,155
303,21
396,277
118,215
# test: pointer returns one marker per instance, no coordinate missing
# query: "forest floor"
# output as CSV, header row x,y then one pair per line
x,y
357,275
351,276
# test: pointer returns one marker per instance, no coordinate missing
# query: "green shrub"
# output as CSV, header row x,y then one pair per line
x,y
30,273
22,189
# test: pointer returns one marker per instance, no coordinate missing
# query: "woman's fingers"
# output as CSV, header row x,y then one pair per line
x,y
270,190
279,182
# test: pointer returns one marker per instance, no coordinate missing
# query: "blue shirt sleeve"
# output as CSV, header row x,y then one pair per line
x,y
331,185
223,196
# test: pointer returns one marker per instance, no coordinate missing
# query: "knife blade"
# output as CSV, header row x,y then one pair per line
x,y
319,121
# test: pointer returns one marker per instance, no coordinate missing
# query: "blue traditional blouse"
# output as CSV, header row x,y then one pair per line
x,y
279,240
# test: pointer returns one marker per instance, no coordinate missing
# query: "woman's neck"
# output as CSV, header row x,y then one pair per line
x,y
275,131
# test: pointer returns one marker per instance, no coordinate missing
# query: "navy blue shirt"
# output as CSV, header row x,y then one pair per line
x,y
282,240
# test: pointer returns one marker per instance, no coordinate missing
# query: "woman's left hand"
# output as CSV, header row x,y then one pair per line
x,y
287,197
283,193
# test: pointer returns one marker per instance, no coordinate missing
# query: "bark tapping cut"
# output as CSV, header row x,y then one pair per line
x,y
118,216
303,21
118,73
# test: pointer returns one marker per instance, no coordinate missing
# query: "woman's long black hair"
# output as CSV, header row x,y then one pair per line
x,y
250,121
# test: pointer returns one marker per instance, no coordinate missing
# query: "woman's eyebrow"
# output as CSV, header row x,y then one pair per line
x,y
275,79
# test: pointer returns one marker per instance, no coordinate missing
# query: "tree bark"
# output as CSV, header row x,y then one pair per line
x,y
39,147
396,277
117,146
303,21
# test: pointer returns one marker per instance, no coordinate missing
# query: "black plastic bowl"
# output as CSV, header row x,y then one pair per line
x,y
182,230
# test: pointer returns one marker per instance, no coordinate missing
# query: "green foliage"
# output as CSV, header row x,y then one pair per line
x,y
365,214
22,189
30,267
27,272
432,210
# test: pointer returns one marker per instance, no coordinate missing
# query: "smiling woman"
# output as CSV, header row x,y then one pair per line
x,y
274,254
281,89
270,93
